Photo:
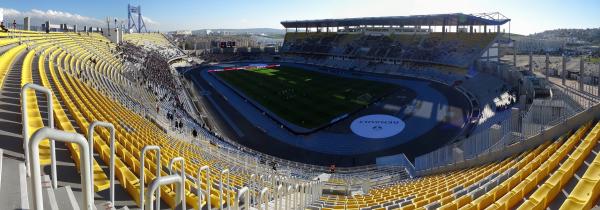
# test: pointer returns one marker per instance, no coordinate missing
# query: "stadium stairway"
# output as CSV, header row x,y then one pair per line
x,y
67,123
13,184
15,193
10,108
18,71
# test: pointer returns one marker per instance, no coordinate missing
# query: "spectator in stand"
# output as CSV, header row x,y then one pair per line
x,y
4,29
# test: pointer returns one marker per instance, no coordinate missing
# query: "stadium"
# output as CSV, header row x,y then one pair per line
x,y
390,112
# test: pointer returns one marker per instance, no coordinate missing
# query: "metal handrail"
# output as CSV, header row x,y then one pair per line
x,y
159,181
309,192
112,154
277,196
253,184
50,124
264,198
302,195
158,169
182,174
297,197
243,193
34,161
199,190
289,197
318,190
226,171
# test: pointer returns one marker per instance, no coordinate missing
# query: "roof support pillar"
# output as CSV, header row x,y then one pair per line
x,y
547,66
598,82
444,26
580,77
530,62
514,56
457,26
564,69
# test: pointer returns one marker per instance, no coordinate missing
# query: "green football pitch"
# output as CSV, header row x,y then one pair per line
x,y
305,98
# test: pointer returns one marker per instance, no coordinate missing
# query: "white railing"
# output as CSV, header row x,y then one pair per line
x,y
34,162
203,194
224,172
142,167
181,174
165,180
276,191
25,124
112,154
243,194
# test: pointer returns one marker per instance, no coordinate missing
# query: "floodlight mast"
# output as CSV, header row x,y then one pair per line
x,y
132,25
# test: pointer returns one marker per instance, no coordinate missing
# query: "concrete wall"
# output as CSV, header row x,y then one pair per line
x,y
26,24
114,35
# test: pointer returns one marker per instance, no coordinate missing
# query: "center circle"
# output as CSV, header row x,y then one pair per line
x,y
377,126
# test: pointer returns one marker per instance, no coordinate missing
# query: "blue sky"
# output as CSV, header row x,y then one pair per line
x,y
528,16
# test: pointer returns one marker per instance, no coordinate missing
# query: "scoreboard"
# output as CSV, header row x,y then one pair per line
x,y
227,44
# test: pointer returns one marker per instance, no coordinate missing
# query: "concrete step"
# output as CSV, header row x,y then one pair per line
x,y
47,193
56,199
13,194
65,198
108,206
104,206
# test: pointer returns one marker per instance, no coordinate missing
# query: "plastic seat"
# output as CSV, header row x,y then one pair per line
x,y
586,191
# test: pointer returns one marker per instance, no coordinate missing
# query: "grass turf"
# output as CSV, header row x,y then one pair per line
x,y
306,98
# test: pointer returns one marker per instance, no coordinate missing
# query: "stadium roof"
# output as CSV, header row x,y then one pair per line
x,y
421,20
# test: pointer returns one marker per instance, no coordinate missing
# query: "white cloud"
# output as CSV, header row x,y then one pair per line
x,y
8,11
149,22
38,17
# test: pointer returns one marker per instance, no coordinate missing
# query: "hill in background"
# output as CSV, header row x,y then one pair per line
x,y
591,35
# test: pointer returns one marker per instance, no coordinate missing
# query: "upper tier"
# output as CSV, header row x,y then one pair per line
x,y
452,49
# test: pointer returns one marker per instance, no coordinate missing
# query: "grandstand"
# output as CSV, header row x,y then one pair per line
x,y
451,49
396,39
112,106
155,42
